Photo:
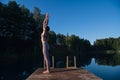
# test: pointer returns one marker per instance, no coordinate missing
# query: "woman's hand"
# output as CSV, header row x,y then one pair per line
x,y
47,15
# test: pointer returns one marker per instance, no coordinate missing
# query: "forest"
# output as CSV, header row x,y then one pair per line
x,y
20,31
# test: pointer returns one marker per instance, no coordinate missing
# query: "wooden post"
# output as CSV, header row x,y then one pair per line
x,y
44,63
75,61
52,61
66,61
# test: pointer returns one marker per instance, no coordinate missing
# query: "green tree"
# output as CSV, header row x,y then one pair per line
x,y
61,39
108,44
52,38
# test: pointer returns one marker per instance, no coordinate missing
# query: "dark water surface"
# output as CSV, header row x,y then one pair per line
x,y
106,67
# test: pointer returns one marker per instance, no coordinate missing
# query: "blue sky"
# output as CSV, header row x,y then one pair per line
x,y
88,19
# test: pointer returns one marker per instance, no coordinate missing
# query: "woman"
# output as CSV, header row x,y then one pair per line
x,y
45,46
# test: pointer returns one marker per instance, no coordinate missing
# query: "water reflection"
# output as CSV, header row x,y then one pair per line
x,y
17,70
21,69
84,60
107,67
109,60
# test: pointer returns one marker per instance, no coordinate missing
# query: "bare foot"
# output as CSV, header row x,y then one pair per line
x,y
46,72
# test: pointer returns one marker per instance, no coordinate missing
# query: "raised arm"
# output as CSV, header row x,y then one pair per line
x,y
45,22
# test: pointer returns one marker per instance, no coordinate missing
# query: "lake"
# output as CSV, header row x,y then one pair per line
x,y
104,71
106,67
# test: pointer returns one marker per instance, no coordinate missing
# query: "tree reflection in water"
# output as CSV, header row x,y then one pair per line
x,y
21,69
109,60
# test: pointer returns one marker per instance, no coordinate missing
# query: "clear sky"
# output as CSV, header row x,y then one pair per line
x,y
88,19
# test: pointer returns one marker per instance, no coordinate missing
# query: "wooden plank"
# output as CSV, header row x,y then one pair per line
x,y
63,74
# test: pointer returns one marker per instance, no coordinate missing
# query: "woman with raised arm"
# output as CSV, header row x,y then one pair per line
x,y
45,46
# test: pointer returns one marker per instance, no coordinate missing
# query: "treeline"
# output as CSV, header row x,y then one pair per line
x,y
20,41
20,32
109,45
18,28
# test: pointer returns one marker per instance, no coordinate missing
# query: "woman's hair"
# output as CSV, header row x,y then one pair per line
x,y
47,28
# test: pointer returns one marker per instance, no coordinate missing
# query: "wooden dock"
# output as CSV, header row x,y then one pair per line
x,y
63,74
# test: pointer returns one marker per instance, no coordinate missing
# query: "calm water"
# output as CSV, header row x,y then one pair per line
x,y
104,71
107,67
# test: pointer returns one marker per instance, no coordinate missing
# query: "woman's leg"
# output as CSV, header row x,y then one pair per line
x,y
48,60
46,57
